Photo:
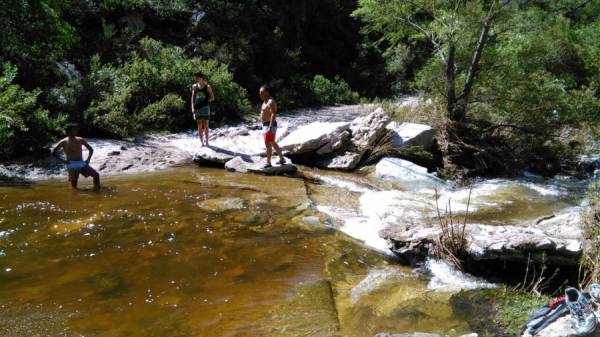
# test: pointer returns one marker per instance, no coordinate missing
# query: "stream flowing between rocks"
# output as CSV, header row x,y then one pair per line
x,y
195,251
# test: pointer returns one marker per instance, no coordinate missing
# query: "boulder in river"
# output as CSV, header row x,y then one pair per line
x,y
411,134
365,132
256,164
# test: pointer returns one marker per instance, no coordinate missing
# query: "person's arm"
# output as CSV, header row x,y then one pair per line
x,y
273,109
57,147
211,94
90,150
193,98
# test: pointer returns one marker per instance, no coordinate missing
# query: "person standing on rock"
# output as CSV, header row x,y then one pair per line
x,y
72,146
269,124
202,95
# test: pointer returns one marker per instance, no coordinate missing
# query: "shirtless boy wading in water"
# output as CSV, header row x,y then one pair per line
x,y
72,146
269,124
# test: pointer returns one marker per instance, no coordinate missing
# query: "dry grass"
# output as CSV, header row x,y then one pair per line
x,y
535,281
420,111
452,243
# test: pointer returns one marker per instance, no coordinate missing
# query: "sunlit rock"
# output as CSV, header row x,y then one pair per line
x,y
411,134
406,174
314,136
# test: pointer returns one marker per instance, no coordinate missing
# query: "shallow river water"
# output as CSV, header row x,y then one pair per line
x,y
190,251
197,252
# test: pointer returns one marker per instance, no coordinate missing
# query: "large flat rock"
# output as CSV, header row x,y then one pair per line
x,y
557,241
256,164
313,136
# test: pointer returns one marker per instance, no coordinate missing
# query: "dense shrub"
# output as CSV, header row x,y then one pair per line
x,y
329,92
151,91
24,125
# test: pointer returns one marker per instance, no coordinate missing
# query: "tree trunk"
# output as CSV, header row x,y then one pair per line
x,y
451,79
460,105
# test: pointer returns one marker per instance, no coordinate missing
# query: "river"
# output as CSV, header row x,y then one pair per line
x,y
194,251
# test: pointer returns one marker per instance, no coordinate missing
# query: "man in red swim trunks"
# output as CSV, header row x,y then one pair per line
x,y
269,124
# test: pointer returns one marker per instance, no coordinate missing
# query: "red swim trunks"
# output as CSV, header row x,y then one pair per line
x,y
269,134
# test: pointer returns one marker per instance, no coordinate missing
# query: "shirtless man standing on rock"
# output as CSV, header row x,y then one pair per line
x,y
269,124
72,146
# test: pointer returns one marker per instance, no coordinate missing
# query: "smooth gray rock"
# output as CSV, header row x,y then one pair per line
x,y
411,134
256,164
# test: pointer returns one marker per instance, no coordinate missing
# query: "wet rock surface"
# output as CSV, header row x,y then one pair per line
x,y
256,164
213,155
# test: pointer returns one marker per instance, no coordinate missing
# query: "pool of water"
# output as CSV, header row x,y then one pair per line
x,y
198,252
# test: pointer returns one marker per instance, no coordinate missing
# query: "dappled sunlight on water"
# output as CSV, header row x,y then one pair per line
x,y
196,252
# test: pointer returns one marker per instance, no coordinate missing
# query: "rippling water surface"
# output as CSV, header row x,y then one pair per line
x,y
197,252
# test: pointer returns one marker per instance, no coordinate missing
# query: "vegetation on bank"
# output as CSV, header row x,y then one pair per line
x,y
509,77
590,261
497,311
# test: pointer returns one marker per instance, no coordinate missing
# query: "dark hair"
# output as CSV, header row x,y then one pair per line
x,y
71,126
199,74
265,87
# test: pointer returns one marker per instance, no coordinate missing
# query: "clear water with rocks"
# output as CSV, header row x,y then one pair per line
x,y
197,252
189,251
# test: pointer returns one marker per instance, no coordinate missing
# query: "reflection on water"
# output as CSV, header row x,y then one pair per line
x,y
196,252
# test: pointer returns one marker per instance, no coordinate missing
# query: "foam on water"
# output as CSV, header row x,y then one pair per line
x,y
444,276
358,226
344,183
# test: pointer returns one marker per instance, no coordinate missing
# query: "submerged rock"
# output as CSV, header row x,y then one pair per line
x,y
255,164
222,204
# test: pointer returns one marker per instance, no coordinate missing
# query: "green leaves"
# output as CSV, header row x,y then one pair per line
x,y
151,91
24,125
329,92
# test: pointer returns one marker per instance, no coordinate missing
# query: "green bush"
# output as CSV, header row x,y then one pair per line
x,y
151,91
159,113
329,92
24,125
